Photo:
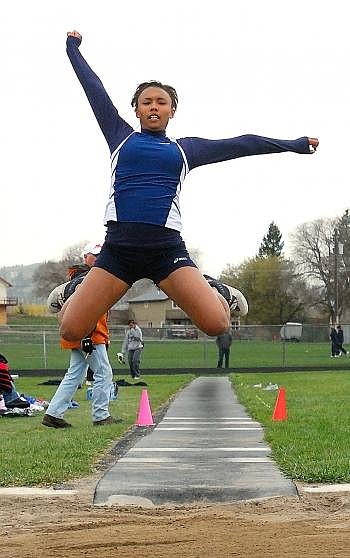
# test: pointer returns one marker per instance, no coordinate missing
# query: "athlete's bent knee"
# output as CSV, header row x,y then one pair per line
x,y
71,333
216,328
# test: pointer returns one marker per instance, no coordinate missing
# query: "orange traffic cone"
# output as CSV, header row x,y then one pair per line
x,y
280,410
144,417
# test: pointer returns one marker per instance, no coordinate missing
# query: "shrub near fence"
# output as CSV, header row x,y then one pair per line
x,y
37,347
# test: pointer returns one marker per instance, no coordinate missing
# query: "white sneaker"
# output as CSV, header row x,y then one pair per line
x,y
239,304
235,299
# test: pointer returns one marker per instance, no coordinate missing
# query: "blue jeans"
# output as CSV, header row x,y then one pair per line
x,y
134,358
75,375
10,396
223,354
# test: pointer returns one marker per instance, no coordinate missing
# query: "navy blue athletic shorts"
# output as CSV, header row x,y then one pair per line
x,y
133,263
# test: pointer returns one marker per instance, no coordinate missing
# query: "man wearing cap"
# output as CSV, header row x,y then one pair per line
x,y
96,358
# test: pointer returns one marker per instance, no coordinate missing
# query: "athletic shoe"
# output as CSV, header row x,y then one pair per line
x,y
54,422
235,299
19,403
108,420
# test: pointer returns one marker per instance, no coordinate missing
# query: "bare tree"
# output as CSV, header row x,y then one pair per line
x,y
47,276
316,251
50,274
72,254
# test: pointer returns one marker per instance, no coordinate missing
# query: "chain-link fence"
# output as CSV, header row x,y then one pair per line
x,y
290,345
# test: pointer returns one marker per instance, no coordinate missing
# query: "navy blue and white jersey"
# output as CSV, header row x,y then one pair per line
x,y
148,168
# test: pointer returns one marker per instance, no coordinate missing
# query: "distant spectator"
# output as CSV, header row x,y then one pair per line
x,y
340,338
224,342
334,343
132,347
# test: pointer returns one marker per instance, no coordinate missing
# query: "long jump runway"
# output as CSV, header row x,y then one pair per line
x,y
205,449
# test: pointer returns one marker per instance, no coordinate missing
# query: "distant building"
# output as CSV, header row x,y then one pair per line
x,y
152,308
5,301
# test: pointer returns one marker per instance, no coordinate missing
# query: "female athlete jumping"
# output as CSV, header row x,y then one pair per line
x,y
143,216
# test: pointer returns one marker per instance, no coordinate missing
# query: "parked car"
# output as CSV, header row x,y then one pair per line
x,y
182,332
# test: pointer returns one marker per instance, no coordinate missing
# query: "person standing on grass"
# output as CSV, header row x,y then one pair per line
x,y
223,343
132,347
334,343
143,216
94,357
340,338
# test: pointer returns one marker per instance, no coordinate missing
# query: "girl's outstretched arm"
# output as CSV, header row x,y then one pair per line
x,y
201,151
113,127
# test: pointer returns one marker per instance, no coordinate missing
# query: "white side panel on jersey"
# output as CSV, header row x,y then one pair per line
x,y
110,211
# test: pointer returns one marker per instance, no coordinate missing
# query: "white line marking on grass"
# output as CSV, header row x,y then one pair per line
x,y
263,402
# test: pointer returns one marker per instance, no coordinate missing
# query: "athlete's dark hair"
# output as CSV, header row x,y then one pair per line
x,y
170,90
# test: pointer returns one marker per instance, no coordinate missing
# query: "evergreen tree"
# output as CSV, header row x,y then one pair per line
x,y
272,244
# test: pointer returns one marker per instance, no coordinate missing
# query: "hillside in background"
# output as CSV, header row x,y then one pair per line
x,y
21,279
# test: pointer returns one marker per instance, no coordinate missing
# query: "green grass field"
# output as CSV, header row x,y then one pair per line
x,y
31,454
26,351
311,446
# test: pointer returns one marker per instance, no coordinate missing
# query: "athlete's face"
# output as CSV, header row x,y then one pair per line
x,y
154,109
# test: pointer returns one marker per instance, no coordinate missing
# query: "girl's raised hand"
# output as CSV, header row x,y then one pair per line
x,y
313,142
74,34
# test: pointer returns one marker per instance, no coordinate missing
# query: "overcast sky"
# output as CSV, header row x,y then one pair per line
x,y
278,69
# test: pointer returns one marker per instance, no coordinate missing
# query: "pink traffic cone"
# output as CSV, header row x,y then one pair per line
x,y
144,417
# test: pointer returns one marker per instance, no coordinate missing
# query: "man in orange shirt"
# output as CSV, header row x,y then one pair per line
x,y
91,352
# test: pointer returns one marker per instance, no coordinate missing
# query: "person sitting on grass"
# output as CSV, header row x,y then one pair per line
x,y
12,398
